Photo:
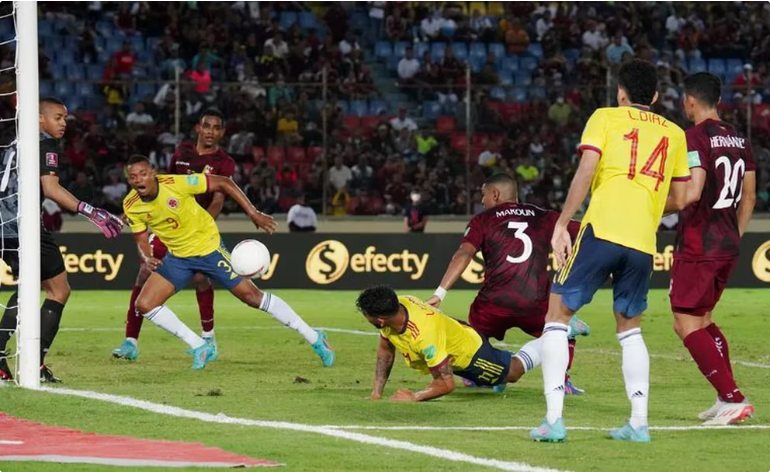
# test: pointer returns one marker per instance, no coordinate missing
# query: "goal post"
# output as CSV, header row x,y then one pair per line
x,y
28,140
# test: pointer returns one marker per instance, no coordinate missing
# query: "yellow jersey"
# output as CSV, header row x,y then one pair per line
x,y
185,227
641,153
430,338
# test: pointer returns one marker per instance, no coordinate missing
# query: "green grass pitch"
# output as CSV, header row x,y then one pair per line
x,y
260,362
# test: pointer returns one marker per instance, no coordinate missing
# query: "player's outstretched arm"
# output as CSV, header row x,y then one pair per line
x,y
748,200
215,207
443,383
578,190
457,266
386,354
229,188
109,224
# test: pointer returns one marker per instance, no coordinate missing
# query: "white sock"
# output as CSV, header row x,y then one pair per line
x,y
208,334
133,341
555,358
281,311
529,354
636,373
166,319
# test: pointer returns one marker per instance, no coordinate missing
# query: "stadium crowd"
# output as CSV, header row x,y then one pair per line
x,y
538,70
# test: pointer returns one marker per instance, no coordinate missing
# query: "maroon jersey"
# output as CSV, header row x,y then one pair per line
x,y
515,241
186,160
708,229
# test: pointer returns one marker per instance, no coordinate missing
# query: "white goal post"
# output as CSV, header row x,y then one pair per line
x,y
28,140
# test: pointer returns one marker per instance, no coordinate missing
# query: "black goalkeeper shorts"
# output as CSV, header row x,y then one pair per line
x,y
51,261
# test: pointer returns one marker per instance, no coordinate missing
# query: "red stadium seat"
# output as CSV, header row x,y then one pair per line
x,y
247,167
275,156
458,141
257,153
497,140
445,124
480,139
351,122
286,202
370,122
303,171
313,153
296,155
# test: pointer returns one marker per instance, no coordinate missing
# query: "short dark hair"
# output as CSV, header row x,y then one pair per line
x,y
50,101
379,301
137,159
503,179
705,87
213,112
640,81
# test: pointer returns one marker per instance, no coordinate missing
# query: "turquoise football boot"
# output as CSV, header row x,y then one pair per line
x,y
323,349
202,356
628,433
211,341
129,351
547,432
578,327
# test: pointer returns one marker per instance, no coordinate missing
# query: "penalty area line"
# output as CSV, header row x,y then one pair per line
x,y
220,418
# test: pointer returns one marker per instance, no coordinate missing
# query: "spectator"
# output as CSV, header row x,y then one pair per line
x,y
171,63
252,189
527,171
560,112
618,47
688,43
395,26
206,57
415,215
301,217
269,193
481,28
349,44
408,67
340,175
594,37
543,25
202,78
125,60
113,193
426,142
402,121
82,188
363,174
139,120
240,144
488,157
277,45
430,26
516,37
288,130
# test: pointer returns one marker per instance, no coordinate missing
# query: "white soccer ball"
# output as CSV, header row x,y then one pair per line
x,y
250,258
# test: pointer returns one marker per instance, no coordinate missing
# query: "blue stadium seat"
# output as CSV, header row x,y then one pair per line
x,y
449,108
46,88
498,94
113,45
287,19
84,89
717,66
359,108
63,88
537,93
383,50
497,49
510,63
376,106
461,51
307,20
524,78
431,110
151,43
95,72
75,71
420,49
477,63
145,88
94,102
146,56
535,50
64,57
137,43
448,30
519,94
52,45
437,51
697,65
478,50
73,102
392,62
105,28
71,43
399,48
44,28
103,56
734,65
528,63
359,19
572,55
343,106
506,77
100,42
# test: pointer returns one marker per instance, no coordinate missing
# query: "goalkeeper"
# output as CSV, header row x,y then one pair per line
x,y
53,123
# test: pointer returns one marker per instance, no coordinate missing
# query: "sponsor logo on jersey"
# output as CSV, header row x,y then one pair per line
x,y
172,202
193,180
52,159
430,352
760,263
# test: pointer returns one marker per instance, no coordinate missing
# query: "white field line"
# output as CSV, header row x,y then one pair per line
x,y
610,352
527,428
440,453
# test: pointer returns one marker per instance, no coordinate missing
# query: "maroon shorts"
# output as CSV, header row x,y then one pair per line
x,y
159,250
696,286
493,321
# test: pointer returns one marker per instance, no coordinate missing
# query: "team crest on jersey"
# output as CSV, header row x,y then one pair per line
x,y
52,159
172,202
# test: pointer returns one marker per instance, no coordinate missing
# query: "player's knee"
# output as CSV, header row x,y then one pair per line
x,y
201,283
58,290
253,299
144,305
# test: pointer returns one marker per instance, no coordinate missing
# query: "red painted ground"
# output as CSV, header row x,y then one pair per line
x,y
22,440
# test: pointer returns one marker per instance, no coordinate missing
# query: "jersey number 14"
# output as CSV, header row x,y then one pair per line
x,y
660,152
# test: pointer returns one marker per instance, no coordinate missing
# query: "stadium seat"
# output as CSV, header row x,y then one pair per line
x,y
497,49
313,153
437,51
510,63
70,42
257,153
497,93
420,49
383,50
537,93
497,140
528,63
247,168
296,154
74,102
477,63
94,102
46,88
518,94
113,45
370,122
458,141
524,78
275,155
445,124
431,110
506,77
697,65
44,28
461,51
448,30
94,72
307,20
144,89
84,89
480,6
734,65
105,28
535,50
63,89
137,43
287,19
717,67
342,105
480,139
376,106
359,108
359,20
351,121
75,72
64,58
151,43
478,50
399,49
392,62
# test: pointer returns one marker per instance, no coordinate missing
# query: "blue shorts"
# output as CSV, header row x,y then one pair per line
x,y
488,367
180,270
592,262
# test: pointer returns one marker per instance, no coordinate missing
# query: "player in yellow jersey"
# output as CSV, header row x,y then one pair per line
x,y
434,343
166,205
635,164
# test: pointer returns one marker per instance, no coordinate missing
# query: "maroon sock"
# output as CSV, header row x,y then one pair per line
x,y
133,318
712,365
571,357
206,308
721,341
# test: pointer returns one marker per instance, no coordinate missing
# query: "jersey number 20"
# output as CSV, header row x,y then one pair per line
x,y
733,175
520,234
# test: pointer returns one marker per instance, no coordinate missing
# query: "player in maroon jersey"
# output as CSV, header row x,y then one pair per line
x,y
720,200
514,239
205,156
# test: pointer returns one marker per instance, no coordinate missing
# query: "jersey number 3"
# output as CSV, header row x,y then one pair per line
x,y
733,175
660,151
520,234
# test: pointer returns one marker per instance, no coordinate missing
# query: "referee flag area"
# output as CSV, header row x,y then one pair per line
x,y
267,397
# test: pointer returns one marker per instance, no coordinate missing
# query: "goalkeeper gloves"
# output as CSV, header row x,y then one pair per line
x,y
110,224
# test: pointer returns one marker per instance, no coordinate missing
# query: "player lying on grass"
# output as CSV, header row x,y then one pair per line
x,y
720,201
206,157
514,239
166,205
431,341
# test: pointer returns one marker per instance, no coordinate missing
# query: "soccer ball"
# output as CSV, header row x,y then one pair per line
x,y
250,258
